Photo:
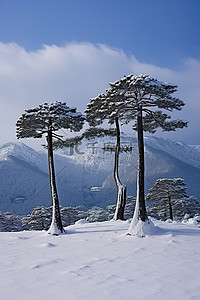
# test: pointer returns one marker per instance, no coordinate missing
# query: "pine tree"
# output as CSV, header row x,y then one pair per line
x,y
136,98
47,119
97,214
105,107
168,199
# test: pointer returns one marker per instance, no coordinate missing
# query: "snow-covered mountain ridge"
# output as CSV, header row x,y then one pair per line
x,y
24,181
92,149
23,152
186,153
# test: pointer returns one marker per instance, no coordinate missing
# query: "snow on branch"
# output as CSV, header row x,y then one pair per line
x,y
54,116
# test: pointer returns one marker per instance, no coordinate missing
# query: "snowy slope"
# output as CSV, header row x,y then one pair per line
x,y
98,261
164,158
186,153
23,152
24,181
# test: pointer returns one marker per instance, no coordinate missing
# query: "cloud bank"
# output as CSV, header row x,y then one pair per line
x,y
77,72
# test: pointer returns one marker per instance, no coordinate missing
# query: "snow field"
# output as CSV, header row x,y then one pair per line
x,y
99,261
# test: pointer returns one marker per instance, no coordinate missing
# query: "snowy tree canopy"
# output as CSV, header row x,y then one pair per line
x,y
54,116
175,187
125,96
175,191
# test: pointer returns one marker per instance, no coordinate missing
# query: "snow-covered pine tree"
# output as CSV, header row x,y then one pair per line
x,y
10,222
47,119
168,199
108,106
97,214
186,207
136,98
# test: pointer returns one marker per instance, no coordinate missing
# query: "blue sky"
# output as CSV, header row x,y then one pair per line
x,y
160,32
160,37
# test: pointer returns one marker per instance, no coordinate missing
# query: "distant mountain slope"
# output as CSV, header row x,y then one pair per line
x,y
24,181
186,153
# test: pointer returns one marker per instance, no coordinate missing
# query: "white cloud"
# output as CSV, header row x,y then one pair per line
x,y
75,73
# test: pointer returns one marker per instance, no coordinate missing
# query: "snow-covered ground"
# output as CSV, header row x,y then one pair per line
x,y
95,261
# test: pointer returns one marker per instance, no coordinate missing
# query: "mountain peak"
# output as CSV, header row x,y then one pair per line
x,y
21,151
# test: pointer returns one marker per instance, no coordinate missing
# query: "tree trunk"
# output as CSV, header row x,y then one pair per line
x,y
142,214
56,223
121,189
170,207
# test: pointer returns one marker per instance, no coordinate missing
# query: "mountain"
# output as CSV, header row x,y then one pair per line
x,y
84,175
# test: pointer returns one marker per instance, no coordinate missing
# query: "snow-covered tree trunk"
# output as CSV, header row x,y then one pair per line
x,y
140,225
56,226
142,214
121,189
